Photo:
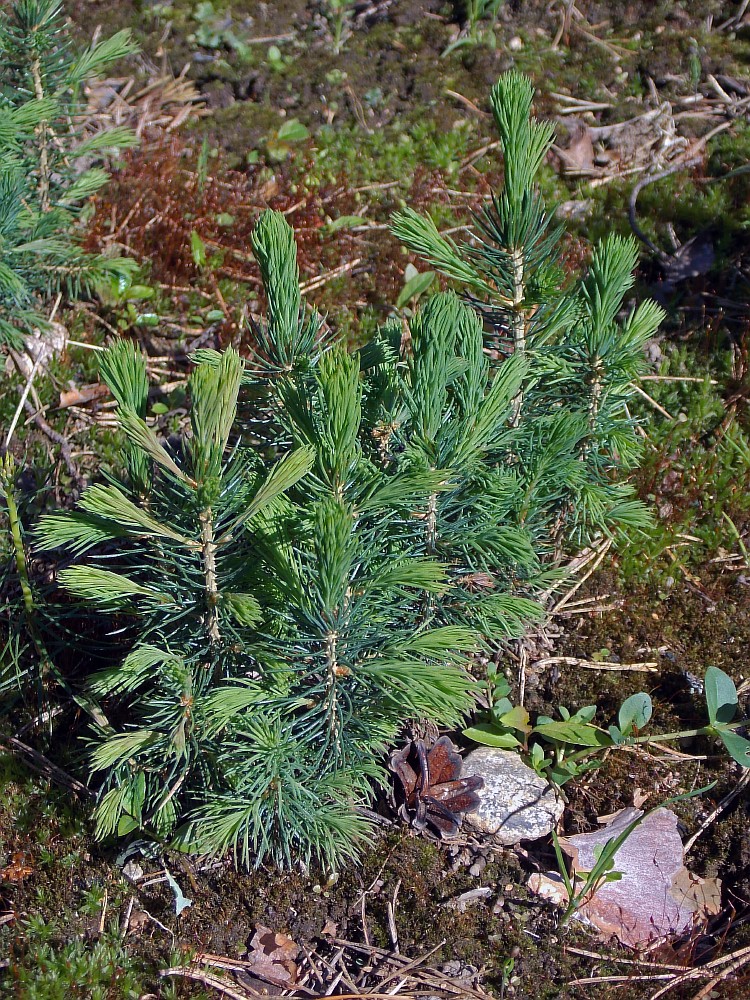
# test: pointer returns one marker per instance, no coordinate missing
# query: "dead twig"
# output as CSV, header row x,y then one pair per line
x,y
596,554
39,763
323,279
391,908
740,958
187,972
721,806
646,667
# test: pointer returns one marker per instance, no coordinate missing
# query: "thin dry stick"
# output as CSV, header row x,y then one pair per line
x,y
595,980
647,667
125,923
238,965
30,380
207,980
735,19
323,279
38,762
412,965
22,400
603,550
621,960
429,976
668,378
742,957
89,347
391,907
657,406
470,105
722,805
57,438
576,564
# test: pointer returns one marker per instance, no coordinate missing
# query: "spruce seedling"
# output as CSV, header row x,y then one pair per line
x,y
49,161
575,436
276,630
179,520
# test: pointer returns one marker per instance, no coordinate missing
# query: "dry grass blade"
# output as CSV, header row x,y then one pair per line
x,y
165,103
187,972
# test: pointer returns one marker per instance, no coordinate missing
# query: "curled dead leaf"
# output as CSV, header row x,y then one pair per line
x,y
272,956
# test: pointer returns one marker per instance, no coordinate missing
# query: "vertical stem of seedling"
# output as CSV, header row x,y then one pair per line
x,y
596,394
431,527
517,322
333,671
41,133
208,549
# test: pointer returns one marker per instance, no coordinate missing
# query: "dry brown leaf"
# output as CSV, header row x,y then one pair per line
x,y
272,956
577,159
81,395
17,870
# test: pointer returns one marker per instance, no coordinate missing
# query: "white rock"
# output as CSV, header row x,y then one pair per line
x,y
515,803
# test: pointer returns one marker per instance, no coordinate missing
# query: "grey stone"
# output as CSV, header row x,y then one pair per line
x,y
515,803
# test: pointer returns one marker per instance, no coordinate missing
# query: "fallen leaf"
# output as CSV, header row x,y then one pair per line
x,y
272,956
17,870
577,158
656,897
80,395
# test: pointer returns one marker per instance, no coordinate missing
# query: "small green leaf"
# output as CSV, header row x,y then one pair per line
x,y
579,734
501,706
585,714
126,825
559,774
139,292
537,755
489,736
635,712
415,287
737,747
198,248
215,315
516,718
292,131
147,319
159,409
345,222
721,696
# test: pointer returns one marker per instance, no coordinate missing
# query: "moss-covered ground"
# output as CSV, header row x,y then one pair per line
x,y
339,140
